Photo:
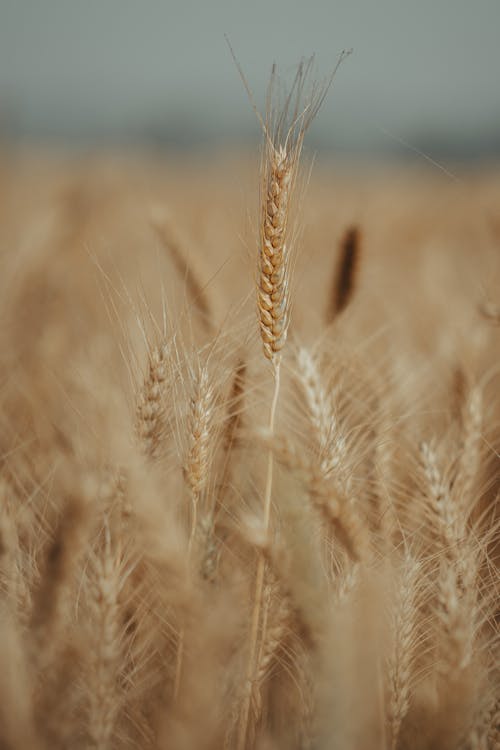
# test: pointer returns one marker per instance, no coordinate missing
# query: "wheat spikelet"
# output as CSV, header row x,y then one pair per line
x,y
107,648
321,413
150,413
318,402
457,571
200,416
402,656
446,526
210,548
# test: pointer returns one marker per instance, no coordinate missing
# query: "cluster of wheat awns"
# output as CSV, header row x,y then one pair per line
x,y
202,546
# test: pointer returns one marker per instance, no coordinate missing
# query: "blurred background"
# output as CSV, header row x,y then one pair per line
x,y
423,75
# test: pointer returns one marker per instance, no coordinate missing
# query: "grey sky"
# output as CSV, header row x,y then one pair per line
x,y
424,71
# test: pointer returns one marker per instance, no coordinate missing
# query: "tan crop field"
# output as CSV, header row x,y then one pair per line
x,y
249,456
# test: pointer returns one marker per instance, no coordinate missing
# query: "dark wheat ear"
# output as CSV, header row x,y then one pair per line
x,y
345,276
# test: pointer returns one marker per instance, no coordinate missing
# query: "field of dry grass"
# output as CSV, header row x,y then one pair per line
x,y
176,570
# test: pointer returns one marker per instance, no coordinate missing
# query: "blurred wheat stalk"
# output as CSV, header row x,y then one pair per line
x,y
183,564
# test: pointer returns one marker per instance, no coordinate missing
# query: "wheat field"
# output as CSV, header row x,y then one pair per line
x,y
249,452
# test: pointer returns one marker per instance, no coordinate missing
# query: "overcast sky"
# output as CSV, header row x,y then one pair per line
x,y
424,72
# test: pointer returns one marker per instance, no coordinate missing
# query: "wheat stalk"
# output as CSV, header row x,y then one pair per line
x,y
284,132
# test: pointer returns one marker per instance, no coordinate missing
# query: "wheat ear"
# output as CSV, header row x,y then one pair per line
x,y
196,473
344,280
331,446
329,491
196,466
401,658
109,576
232,425
336,508
456,607
176,245
150,413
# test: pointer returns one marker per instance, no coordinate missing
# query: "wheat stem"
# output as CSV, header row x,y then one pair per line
x,y
261,567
